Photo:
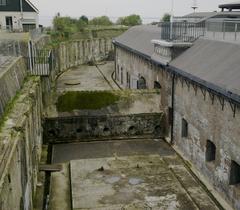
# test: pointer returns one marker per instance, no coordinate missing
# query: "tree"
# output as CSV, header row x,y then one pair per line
x,y
84,19
131,20
82,23
103,21
166,17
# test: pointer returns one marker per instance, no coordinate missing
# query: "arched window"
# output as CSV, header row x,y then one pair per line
x,y
141,83
210,151
157,85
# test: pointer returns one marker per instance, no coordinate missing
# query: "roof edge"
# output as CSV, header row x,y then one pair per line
x,y
32,5
217,89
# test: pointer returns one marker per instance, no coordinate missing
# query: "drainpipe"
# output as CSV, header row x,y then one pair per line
x,y
21,11
171,22
115,61
173,101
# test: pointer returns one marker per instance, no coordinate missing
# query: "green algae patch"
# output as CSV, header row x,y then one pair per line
x,y
85,100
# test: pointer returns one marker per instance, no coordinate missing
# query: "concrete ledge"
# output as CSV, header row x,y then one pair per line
x,y
164,43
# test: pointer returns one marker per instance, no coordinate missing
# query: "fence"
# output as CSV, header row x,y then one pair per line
x,y
181,31
223,29
41,62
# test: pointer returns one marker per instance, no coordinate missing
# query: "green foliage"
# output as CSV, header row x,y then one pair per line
x,y
102,21
84,19
65,27
131,20
166,17
85,100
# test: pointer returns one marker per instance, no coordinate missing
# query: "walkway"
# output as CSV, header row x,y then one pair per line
x,y
87,78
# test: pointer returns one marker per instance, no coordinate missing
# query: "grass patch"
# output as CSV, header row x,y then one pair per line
x,y
85,100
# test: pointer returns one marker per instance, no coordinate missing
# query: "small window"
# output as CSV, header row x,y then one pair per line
x,y
210,151
121,75
234,173
128,80
157,85
118,73
184,128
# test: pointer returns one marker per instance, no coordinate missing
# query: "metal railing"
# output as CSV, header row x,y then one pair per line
x,y
181,31
223,29
41,62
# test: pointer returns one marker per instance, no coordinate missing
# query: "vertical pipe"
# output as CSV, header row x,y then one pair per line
x,y
171,22
21,12
173,102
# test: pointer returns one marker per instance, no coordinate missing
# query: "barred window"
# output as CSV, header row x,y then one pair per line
x,y
3,2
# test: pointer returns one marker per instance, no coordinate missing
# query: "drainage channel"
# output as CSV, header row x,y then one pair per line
x,y
47,180
106,79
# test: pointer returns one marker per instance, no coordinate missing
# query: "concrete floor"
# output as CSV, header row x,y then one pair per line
x,y
77,79
127,174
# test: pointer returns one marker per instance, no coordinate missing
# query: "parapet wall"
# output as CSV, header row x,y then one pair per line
x,y
20,145
12,74
69,129
79,52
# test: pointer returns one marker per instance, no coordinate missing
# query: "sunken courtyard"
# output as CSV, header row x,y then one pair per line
x,y
143,120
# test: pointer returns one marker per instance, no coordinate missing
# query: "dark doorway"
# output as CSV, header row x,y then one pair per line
x,y
141,83
184,128
210,151
9,22
157,85
234,173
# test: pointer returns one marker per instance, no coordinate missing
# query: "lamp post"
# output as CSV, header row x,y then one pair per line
x,y
171,21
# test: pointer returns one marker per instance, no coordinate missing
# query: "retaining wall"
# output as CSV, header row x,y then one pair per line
x,y
12,74
69,129
20,146
74,53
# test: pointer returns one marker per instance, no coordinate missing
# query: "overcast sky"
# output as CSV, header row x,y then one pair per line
x,y
150,10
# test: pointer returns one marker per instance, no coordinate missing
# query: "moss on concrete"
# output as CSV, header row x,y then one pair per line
x,y
85,100
9,107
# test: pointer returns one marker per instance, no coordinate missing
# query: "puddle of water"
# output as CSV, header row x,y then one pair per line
x,y
135,181
112,179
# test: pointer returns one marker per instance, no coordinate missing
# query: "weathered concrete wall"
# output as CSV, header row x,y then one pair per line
x,y
207,121
136,67
20,145
70,129
74,53
12,74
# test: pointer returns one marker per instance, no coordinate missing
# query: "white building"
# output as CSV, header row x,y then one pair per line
x,y
18,15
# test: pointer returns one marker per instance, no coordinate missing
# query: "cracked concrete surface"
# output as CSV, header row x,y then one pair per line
x,y
134,182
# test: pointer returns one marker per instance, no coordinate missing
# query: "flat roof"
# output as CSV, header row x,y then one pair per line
x,y
233,5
